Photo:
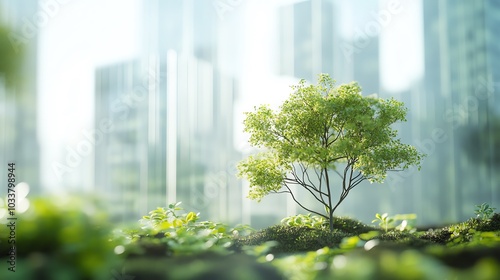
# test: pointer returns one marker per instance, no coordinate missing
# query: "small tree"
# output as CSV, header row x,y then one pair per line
x,y
321,130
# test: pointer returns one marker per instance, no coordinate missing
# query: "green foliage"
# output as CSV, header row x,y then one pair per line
x,y
61,238
166,232
469,232
360,259
388,222
302,220
408,221
384,220
383,262
205,265
492,224
303,251
461,232
317,130
310,265
484,211
69,239
164,219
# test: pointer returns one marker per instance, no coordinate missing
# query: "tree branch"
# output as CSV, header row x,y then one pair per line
x,y
330,210
320,179
336,137
305,186
357,183
303,207
340,175
301,182
309,179
346,169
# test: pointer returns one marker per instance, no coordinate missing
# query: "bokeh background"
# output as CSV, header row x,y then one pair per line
x,y
140,103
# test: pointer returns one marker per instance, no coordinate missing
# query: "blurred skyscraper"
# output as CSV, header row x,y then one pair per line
x,y
18,101
453,116
172,113
461,106
310,43
306,38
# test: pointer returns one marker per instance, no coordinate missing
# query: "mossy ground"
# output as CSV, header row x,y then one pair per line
x,y
467,250
66,243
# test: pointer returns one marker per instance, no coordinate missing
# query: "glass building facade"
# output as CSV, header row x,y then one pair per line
x,y
461,106
173,139
172,112
18,97
306,37
453,111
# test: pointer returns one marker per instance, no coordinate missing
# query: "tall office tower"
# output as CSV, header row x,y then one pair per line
x,y
170,138
201,133
311,41
18,95
175,143
306,34
121,158
365,65
188,27
462,101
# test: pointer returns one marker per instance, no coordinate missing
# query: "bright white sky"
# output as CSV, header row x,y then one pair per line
x,y
87,33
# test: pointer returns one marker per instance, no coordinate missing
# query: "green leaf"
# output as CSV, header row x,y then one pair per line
x,y
190,216
177,223
221,230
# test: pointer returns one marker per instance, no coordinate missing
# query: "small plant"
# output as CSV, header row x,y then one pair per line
x,y
407,221
302,220
183,233
162,218
384,221
484,211
461,232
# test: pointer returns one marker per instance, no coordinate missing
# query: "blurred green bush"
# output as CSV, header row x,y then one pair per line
x,y
60,238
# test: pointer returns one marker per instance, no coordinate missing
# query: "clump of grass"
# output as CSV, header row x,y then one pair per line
x,y
405,238
438,236
351,226
492,224
293,239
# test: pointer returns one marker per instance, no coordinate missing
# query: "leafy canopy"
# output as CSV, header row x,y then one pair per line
x,y
321,126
